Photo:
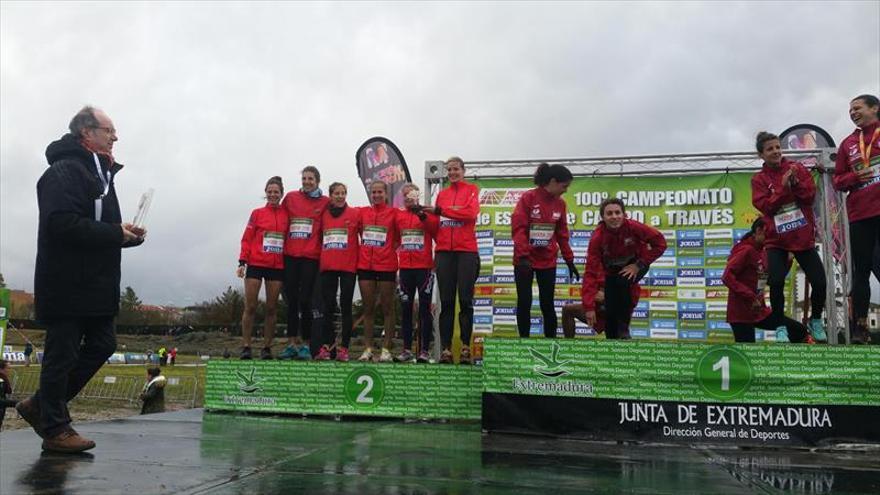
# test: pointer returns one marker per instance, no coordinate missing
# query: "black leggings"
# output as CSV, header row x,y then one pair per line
x,y
863,237
299,281
745,332
344,281
414,281
618,306
457,272
546,285
815,273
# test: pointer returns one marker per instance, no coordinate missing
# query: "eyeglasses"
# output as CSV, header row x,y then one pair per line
x,y
109,130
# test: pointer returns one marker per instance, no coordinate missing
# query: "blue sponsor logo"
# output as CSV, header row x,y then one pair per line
x,y
643,305
482,320
739,234
690,261
692,334
561,280
714,282
503,279
484,279
482,302
661,272
485,234
661,282
714,272
663,323
718,325
581,234
503,242
718,252
690,243
503,311
692,306
486,251
689,234
640,314
639,332
690,272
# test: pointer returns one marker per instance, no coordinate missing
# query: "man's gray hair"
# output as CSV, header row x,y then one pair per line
x,y
84,119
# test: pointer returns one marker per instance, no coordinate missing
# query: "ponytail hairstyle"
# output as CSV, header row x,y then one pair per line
x,y
277,181
544,173
762,138
757,224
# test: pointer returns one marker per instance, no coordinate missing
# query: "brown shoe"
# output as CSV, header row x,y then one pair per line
x,y
446,357
29,410
465,356
68,442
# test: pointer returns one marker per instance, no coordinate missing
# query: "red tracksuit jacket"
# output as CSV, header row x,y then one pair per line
x,y
539,229
262,243
746,277
863,200
457,224
379,239
339,240
303,238
611,250
788,212
416,249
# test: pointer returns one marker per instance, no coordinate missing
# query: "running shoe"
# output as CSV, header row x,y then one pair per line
x,y
405,357
817,329
323,354
782,335
446,357
304,353
424,357
266,353
860,335
385,356
289,352
465,356
342,354
367,355
245,353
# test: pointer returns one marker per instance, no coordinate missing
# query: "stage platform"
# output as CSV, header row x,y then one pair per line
x,y
196,452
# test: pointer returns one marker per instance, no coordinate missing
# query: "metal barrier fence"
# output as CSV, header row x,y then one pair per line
x,y
178,389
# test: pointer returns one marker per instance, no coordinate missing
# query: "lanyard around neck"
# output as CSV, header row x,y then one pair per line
x,y
866,151
105,184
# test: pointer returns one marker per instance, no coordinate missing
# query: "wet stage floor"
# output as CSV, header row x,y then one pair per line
x,y
192,452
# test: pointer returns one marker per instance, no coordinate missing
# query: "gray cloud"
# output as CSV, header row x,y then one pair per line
x,y
211,99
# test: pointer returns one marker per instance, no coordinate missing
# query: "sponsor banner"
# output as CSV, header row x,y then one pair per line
x,y
387,390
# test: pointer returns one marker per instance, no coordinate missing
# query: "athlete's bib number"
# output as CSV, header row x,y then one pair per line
x,y
300,228
540,234
874,178
273,242
446,222
375,236
336,239
789,218
412,240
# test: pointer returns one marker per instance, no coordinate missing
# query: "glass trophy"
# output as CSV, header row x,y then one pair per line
x,y
143,208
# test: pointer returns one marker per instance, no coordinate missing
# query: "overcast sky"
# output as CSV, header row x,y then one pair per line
x,y
211,99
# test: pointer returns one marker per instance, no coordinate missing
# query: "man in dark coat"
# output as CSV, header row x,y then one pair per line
x,y
153,394
76,282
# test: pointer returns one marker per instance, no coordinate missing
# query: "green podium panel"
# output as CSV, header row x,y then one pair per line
x,y
387,390
683,392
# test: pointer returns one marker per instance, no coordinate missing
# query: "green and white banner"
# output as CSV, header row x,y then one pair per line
x,y
702,216
330,388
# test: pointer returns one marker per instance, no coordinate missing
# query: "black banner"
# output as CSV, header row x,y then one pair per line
x,y
766,425
378,159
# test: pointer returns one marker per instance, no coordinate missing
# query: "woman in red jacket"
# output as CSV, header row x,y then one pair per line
x,y
302,249
746,275
540,231
377,267
620,252
457,259
340,225
857,172
784,192
415,257
262,245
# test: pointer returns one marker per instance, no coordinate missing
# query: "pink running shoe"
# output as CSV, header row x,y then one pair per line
x,y
342,354
323,354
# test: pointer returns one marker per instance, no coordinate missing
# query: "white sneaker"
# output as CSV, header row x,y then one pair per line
x,y
385,356
367,355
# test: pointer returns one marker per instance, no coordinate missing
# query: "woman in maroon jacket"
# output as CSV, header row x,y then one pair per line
x,y
620,252
340,225
377,267
746,276
784,192
857,172
540,230
261,258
